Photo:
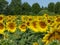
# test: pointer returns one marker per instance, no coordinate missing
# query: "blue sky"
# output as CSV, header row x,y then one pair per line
x,y
41,2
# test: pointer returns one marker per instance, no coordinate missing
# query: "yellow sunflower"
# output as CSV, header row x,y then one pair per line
x,y
35,18
29,18
11,26
35,43
33,26
42,26
24,18
49,21
2,27
2,17
39,18
46,16
10,18
57,20
23,27
58,27
53,27
28,24
51,36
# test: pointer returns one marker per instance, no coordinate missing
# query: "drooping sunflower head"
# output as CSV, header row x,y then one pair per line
x,y
2,28
11,26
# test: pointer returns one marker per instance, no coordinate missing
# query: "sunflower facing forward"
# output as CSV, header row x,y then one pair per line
x,y
33,26
42,26
11,26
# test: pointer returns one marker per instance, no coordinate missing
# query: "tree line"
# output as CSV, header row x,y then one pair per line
x,y
16,7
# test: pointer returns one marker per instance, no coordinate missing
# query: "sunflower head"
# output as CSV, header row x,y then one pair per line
x,y
33,26
10,18
58,20
2,18
45,16
24,18
2,28
11,26
42,26
22,27
29,18
51,36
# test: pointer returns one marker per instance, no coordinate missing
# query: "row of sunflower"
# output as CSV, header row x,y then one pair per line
x,y
45,24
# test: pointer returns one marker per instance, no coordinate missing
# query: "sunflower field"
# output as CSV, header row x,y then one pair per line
x,y
29,30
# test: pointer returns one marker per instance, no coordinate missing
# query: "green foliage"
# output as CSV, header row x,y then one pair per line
x,y
14,7
51,7
42,12
35,8
21,38
26,8
3,6
57,8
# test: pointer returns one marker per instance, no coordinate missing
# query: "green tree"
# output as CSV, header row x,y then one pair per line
x,y
36,8
57,8
26,8
14,7
3,6
51,7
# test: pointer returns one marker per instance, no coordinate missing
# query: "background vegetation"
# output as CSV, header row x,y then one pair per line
x,y
16,7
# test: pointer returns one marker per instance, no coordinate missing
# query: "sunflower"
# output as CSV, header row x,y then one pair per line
x,y
53,27
33,26
11,26
10,18
28,24
39,18
42,26
51,36
23,27
2,18
35,18
57,20
46,16
35,43
49,21
58,27
2,27
24,18
29,18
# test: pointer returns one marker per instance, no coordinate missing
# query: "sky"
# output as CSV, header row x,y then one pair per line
x,y
41,2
